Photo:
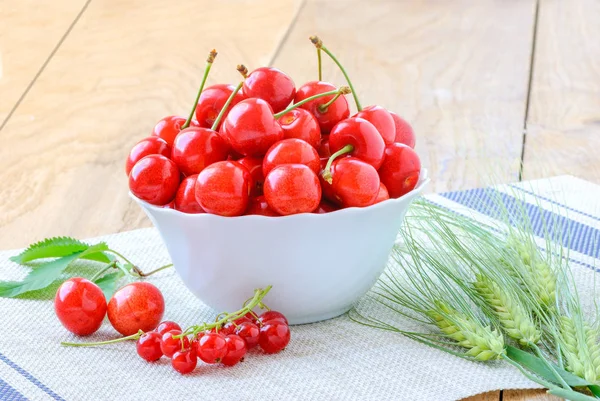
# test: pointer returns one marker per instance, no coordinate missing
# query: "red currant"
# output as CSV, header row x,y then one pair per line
x,y
148,346
167,325
211,347
274,336
272,315
184,361
170,345
236,349
250,333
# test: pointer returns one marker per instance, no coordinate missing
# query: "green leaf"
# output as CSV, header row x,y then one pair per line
x,y
46,274
108,283
56,247
571,395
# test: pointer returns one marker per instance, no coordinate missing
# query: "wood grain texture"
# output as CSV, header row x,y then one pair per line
x,y
563,127
457,70
126,65
30,30
490,396
527,395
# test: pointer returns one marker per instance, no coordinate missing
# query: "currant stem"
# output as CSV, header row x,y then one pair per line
x,y
226,106
320,64
209,62
327,170
94,344
341,91
109,266
319,44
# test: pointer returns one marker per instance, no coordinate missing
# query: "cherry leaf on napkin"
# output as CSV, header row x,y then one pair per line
x,y
57,247
108,283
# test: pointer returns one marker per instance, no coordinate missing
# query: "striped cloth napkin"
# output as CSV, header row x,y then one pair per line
x,y
332,360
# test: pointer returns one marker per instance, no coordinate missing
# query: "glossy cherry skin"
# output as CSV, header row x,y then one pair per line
x,y
400,169
271,315
185,198
404,132
325,207
274,336
251,128
250,333
212,101
184,361
148,346
259,206
271,85
195,148
170,345
80,306
363,136
383,194
167,325
211,347
254,166
291,151
224,188
355,183
301,124
292,188
382,120
152,145
336,112
323,149
236,349
168,128
137,306
154,179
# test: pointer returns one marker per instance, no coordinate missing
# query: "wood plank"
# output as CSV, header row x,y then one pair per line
x,y
30,31
490,396
457,70
125,65
528,395
563,128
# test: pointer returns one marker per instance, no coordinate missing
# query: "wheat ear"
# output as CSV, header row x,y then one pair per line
x,y
581,350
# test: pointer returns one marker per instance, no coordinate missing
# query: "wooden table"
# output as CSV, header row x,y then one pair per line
x,y
495,89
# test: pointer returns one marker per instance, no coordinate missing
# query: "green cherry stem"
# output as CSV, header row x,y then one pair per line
x,y
241,68
323,108
343,90
109,266
319,44
327,170
209,62
151,272
320,64
95,344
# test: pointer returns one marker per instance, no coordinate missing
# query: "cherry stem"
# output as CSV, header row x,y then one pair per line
x,y
320,67
259,294
126,271
116,340
109,266
319,44
327,171
226,105
343,90
323,108
209,62
151,272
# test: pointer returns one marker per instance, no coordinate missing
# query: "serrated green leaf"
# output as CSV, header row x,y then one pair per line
x,y
46,274
108,283
55,247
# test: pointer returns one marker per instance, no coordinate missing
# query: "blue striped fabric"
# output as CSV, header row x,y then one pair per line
x,y
7,393
29,377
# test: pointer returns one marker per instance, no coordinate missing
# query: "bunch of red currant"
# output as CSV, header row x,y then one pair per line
x,y
250,152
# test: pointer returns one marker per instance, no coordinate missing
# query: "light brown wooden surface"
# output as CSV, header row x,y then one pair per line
x,y
458,70
563,128
29,32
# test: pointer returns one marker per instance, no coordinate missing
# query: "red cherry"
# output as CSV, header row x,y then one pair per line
x,y
223,188
355,183
254,166
148,346
154,179
323,148
272,315
382,120
195,148
301,124
236,349
168,128
251,127
400,169
152,145
137,306
170,345
336,112
291,151
367,144
271,85
258,205
167,325
212,101
383,194
212,347
325,207
249,332
404,132
292,188
170,205
184,361
185,199
274,336
80,306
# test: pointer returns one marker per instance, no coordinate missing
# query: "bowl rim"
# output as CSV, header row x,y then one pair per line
x,y
423,181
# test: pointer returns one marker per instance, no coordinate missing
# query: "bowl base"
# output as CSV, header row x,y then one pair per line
x,y
317,318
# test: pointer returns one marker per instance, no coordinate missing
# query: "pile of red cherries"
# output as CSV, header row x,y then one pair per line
x,y
265,147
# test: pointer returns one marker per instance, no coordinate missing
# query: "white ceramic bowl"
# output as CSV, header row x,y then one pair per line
x,y
318,264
